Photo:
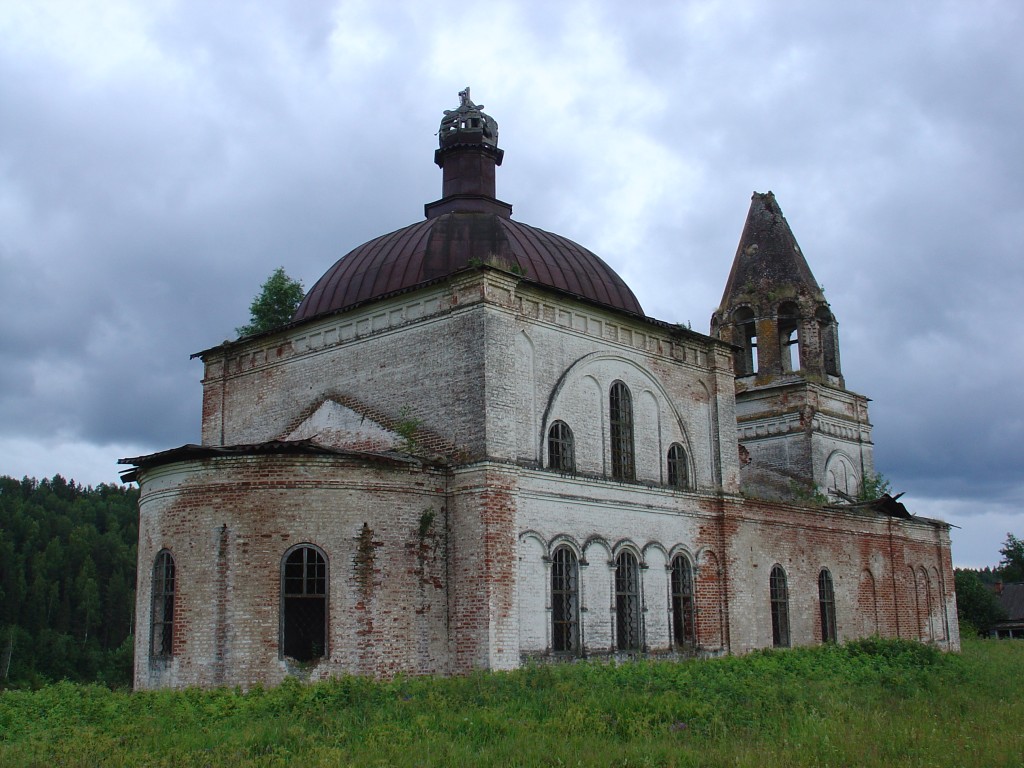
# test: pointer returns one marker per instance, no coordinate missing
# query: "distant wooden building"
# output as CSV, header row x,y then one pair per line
x,y
1011,597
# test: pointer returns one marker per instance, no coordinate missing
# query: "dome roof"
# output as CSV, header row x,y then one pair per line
x,y
467,227
441,246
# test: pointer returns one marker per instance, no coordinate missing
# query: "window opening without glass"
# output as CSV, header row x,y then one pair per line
x,y
628,633
746,359
304,604
163,606
780,607
827,606
789,336
561,451
621,422
565,598
677,470
684,625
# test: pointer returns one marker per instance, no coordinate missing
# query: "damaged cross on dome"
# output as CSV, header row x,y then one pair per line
x,y
467,124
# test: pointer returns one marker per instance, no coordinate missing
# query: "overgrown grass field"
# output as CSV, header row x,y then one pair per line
x,y
870,703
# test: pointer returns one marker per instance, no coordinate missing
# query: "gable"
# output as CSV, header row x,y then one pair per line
x,y
338,426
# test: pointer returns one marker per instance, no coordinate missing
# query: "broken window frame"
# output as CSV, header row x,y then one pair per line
x,y
827,606
304,593
629,634
620,408
161,645
678,469
561,448
565,601
684,613
779,595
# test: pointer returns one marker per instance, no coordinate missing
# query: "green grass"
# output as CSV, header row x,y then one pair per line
x,y
872,703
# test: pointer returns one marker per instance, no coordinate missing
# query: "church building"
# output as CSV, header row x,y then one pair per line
x,y
471,448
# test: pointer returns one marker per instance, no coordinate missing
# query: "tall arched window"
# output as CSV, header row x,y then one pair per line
x,y
780,607
561,448
628,632
684,625
304,604
827,606
162,614
917,603
746,358
565,602
621,422
829,334
678,473
926,605
789,336
867,604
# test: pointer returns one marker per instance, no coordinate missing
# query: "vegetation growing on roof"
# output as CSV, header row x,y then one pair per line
x,y
274,305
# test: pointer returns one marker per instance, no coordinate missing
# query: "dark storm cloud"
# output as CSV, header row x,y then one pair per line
x,y
158,162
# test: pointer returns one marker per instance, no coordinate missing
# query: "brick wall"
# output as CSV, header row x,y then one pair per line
x,y
419,359
228,522
438,354
440,572
734,544
795,428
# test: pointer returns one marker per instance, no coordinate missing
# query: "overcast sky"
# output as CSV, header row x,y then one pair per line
x,y
159,159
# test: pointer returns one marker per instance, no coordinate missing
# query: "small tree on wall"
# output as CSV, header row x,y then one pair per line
x,y
274,305
874,487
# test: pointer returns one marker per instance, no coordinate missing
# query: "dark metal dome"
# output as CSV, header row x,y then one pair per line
x,y
467,227
441,246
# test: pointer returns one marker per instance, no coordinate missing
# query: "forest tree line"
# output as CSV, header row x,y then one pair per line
x,y
67,581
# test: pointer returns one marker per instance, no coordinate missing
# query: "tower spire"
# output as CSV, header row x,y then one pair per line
x,y
797,421
772,307
768,257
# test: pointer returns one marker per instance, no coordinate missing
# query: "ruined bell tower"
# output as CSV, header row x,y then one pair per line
x,y
800,429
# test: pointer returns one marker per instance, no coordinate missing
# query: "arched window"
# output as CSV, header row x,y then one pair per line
x,y
926,605
678,474
684,625
628,632
621,422
867,604
162,614
746,359
789,336
565,602
829,334
561,449
780,607
304,604
827,606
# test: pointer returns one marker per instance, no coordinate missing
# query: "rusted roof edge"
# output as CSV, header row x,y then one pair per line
x,y
306,447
